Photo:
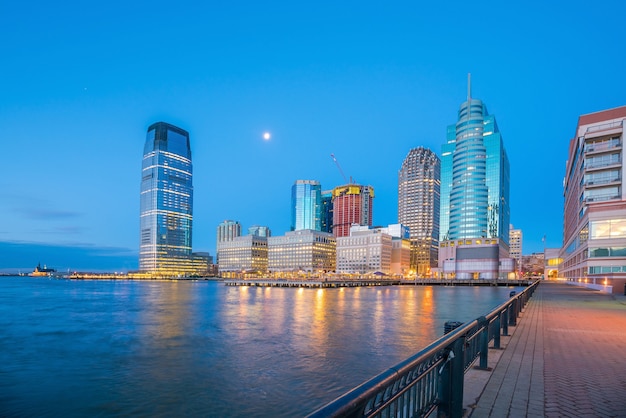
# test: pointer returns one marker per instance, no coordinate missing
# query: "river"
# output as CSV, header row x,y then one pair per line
x,y
200,348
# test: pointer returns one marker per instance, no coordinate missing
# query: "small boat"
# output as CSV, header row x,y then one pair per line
x,y
42,272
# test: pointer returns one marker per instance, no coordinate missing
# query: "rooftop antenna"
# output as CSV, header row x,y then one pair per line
x,y
469,86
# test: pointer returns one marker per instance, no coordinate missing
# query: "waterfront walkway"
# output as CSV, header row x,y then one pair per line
x,y
565,358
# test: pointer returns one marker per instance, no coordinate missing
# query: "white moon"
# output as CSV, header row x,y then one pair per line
x,y
266,136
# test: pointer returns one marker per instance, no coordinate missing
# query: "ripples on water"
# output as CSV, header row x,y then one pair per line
x,y
171,348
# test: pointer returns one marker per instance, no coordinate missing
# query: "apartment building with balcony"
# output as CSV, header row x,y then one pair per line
x,y
594,216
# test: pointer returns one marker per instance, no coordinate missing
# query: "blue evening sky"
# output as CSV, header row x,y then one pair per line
x,y
81,82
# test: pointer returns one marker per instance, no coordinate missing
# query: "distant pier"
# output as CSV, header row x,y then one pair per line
x,y
359,282
312,283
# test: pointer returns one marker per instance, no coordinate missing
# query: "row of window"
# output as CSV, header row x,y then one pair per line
x,y
606,269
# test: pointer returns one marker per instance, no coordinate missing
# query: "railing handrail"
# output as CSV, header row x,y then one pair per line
x,y
389,384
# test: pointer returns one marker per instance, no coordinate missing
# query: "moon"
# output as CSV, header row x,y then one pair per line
x,y
266,136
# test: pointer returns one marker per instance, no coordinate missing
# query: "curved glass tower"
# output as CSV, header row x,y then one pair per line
x,y
468,197
166,201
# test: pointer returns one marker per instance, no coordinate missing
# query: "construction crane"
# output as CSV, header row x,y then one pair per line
x,y
340,170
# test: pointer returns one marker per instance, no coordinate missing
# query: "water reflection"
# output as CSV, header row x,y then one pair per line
x,y
202,348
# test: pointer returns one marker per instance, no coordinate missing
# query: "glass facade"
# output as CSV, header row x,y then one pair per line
x,y
327,211
474,178
166,201
306,205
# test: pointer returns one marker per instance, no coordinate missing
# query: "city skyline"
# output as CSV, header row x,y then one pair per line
x,y
365,82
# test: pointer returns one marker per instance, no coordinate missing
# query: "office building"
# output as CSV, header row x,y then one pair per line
x,y
302,251
365,250
515,246
166,202
594,216
228,230
474,217
243,256
418,207
352,204
306,205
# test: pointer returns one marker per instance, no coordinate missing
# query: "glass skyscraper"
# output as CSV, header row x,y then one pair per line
x,y
166,203
474,177
306,205
474,219
418,207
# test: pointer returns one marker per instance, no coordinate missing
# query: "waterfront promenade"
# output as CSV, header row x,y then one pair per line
x,y
565,358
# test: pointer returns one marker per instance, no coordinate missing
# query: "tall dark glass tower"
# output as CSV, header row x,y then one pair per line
x,y
166,204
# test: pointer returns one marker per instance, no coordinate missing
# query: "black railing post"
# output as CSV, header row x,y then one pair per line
x,y
513,313
496,335
451,382
483,342
505,321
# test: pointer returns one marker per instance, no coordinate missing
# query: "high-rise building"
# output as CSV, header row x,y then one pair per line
x,y
418,207
327,211
474,217
515,246
306,205
166,203
228,230
352,204
594,215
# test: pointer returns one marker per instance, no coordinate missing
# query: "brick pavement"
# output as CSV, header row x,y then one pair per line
x,y
565,358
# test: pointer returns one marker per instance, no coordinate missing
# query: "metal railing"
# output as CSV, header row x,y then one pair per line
x,y
432,379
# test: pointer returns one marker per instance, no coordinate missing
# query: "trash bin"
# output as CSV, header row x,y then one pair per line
x,y
450,326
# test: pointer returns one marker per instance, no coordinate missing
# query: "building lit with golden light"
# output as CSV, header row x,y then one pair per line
x,y
243,255
594,215
419,181
515,246
305,250
365,250
352,204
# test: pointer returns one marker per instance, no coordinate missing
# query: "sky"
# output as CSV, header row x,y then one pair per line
x,y
366,81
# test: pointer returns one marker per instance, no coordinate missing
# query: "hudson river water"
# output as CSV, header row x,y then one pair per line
x,y
200,348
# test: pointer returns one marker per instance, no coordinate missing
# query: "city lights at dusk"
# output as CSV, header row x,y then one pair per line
x,y
365,81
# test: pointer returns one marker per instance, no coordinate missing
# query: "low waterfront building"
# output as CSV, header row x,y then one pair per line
x,y
244,255
305,250
365,250
552,262
479,258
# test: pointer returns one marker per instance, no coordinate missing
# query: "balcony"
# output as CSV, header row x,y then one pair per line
x,y
600,147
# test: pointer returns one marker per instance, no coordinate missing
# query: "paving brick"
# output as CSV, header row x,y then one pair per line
x,y
565,358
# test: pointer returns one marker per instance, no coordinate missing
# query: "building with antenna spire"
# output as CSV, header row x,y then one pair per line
x,y
474,219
